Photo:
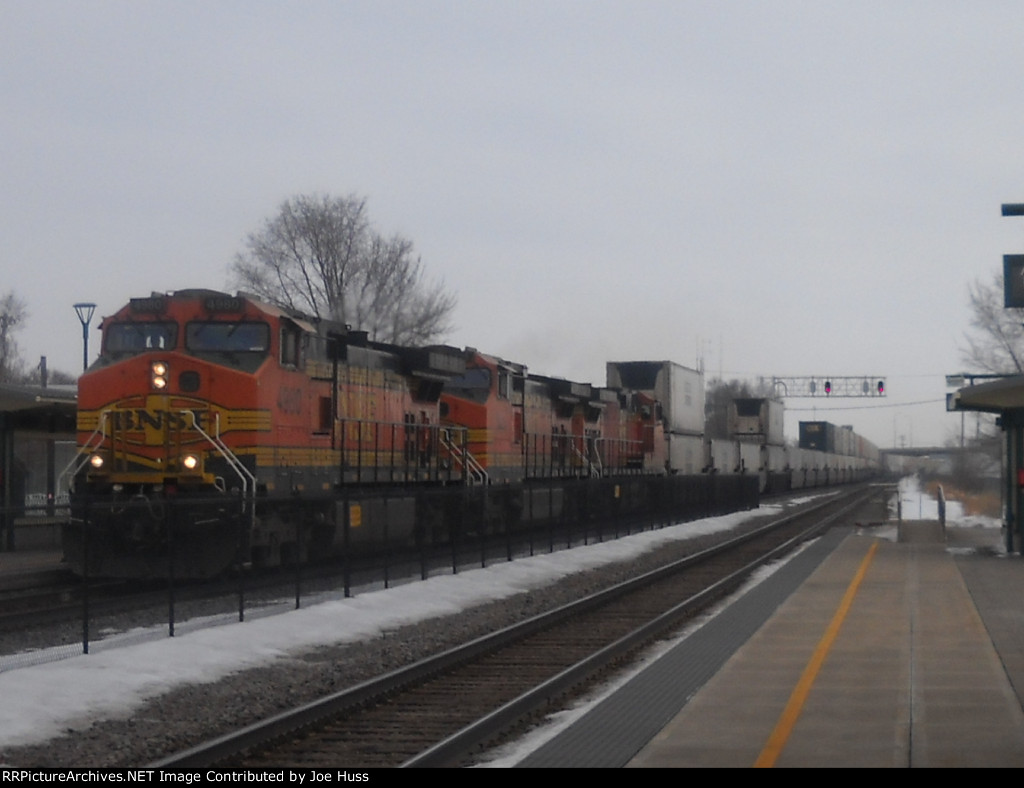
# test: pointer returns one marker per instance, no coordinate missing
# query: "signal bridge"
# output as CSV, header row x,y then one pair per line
x,y
826,386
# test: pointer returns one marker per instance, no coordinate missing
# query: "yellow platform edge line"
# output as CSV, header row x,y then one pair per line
x,y
777,741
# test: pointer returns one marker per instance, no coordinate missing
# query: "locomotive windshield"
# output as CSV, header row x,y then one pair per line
x,y
222,337
474,385
139,337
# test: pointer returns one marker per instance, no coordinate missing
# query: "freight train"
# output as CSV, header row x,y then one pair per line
x,y
243,433
825,455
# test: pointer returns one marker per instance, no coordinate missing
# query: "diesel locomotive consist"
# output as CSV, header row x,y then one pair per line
x,y
244,433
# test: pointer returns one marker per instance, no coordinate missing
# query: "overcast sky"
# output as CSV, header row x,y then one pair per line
x,y
768,188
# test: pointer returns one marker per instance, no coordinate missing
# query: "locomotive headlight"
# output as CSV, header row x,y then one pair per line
x,y
96,461
190,462
158,375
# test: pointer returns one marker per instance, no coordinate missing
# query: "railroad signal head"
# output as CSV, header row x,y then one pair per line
x,y
828,386
881,388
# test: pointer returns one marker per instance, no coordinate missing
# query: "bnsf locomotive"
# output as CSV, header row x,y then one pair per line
x,y
228,427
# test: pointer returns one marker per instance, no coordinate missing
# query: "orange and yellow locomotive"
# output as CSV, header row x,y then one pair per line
x,y
217,430
523,426
240,407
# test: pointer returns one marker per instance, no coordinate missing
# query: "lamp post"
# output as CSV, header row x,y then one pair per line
x,y
85,312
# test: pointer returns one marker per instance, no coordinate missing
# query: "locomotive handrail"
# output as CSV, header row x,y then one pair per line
x,y
232,459
583,459
82,456
607,456
594,448
462,455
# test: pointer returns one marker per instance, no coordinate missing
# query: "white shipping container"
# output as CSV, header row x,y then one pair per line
x,y
723,456
679,390
758,419
777,458
844,441
686,454
750,457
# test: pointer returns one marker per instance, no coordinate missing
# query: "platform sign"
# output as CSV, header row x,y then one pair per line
x,y
1013,280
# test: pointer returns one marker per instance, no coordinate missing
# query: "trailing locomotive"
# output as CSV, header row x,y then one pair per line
x,y
522,426
217,430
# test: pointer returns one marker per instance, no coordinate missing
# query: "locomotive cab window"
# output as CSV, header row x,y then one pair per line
x,y
130,338
291,345
474,385
504,384
227,337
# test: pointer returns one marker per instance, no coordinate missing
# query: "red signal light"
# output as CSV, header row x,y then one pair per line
x,y
828,386
881,388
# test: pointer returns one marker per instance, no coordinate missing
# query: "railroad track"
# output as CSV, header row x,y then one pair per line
x,y
55,597
442,710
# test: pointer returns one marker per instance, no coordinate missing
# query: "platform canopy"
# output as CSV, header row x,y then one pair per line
x,y
28,407
998,396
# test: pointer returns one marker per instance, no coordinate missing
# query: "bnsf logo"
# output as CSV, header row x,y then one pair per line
x,y
154,422
138,419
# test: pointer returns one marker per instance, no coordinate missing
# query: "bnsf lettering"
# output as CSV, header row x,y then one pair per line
x,y
140,419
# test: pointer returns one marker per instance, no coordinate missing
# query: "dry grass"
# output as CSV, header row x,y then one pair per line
x,y
988,503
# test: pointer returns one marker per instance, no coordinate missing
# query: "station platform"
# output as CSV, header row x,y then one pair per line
x,y
22,568
874,647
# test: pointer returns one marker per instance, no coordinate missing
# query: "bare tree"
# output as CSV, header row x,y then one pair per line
x,y
995,343
320,255
13,314
717,399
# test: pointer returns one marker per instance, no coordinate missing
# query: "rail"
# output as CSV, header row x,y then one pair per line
x,y
447,750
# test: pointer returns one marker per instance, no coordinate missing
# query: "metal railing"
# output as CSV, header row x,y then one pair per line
x,y
442,530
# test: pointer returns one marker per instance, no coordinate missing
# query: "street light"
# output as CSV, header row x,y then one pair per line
x,y
85,312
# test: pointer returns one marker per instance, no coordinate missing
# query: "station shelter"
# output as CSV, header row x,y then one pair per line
x,y
1003,397
37,441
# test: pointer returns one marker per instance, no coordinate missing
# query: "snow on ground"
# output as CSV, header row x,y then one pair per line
x,y
42,700
919,505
